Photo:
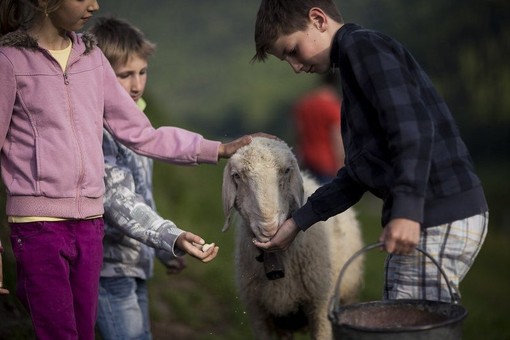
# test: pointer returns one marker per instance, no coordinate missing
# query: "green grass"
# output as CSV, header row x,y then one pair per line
x,y
202,303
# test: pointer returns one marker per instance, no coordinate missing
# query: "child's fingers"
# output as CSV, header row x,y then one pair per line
x,y
193,249
190,237
211,254
204,247
204,253
197,245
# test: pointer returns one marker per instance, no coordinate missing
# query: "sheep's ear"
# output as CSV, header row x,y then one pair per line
x,y
296,187
228,195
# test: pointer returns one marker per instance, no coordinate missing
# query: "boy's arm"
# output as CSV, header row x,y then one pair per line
x,y
127,212
329,200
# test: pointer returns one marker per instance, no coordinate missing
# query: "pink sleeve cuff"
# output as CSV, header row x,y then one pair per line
x,y
208,152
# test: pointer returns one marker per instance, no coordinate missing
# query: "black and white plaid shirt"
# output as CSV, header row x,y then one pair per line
x,y
401,141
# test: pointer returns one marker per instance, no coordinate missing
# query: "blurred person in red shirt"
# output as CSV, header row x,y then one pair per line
x,y
319,142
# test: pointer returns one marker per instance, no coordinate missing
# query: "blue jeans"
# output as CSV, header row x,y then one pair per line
x,y
123,311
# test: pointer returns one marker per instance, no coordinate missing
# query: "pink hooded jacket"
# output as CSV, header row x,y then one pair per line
x,y
51,128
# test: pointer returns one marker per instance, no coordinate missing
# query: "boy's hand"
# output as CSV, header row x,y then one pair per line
x,y
228,149
400,236
193,244
282,239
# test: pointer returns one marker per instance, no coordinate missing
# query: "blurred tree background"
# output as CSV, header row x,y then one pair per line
x,y
201,79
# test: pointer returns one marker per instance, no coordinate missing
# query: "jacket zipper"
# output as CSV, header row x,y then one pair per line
x,y
73,127
75,132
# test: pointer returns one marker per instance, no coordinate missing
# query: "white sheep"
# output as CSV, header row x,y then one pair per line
x,y
263,184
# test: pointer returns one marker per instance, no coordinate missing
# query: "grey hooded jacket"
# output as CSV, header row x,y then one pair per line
x,y
134,232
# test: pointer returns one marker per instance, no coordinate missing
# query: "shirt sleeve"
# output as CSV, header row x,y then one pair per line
x,y
391,80
329,200
127,212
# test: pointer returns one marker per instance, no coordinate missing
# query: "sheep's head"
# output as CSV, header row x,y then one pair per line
x,y
263,183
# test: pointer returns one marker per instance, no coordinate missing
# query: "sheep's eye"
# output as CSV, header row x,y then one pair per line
x,y
236,176
287,171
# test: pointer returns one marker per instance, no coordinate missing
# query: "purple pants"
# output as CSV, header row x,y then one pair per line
x,y
58,266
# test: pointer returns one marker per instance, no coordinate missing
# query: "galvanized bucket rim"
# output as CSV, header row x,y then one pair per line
x,y
460,317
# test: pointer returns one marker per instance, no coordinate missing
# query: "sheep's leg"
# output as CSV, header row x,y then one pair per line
x,y
260,323
320,326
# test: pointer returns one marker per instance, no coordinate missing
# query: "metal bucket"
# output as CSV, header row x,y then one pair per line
x,y
396,319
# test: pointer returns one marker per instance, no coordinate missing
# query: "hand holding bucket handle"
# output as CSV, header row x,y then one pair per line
x,y
453,292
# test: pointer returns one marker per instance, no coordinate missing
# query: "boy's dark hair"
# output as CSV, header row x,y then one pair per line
x,y
119,40
283,17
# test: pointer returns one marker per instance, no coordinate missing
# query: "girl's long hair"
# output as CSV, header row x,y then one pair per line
x,y
16,14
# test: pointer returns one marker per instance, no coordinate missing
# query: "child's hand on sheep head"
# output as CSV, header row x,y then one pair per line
x,y
195,246
228,149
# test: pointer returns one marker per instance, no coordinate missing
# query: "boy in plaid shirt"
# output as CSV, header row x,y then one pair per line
x,y
401,143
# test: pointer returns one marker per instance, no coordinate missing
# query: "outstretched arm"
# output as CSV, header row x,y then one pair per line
x,y
127,212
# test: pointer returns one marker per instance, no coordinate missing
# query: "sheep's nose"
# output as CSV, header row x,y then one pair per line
x,y
268,234
268,229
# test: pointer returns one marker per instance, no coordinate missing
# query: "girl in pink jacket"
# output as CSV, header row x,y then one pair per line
x,y
57,92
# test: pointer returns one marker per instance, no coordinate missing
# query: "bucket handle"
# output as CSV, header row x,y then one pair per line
x,y
332,304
